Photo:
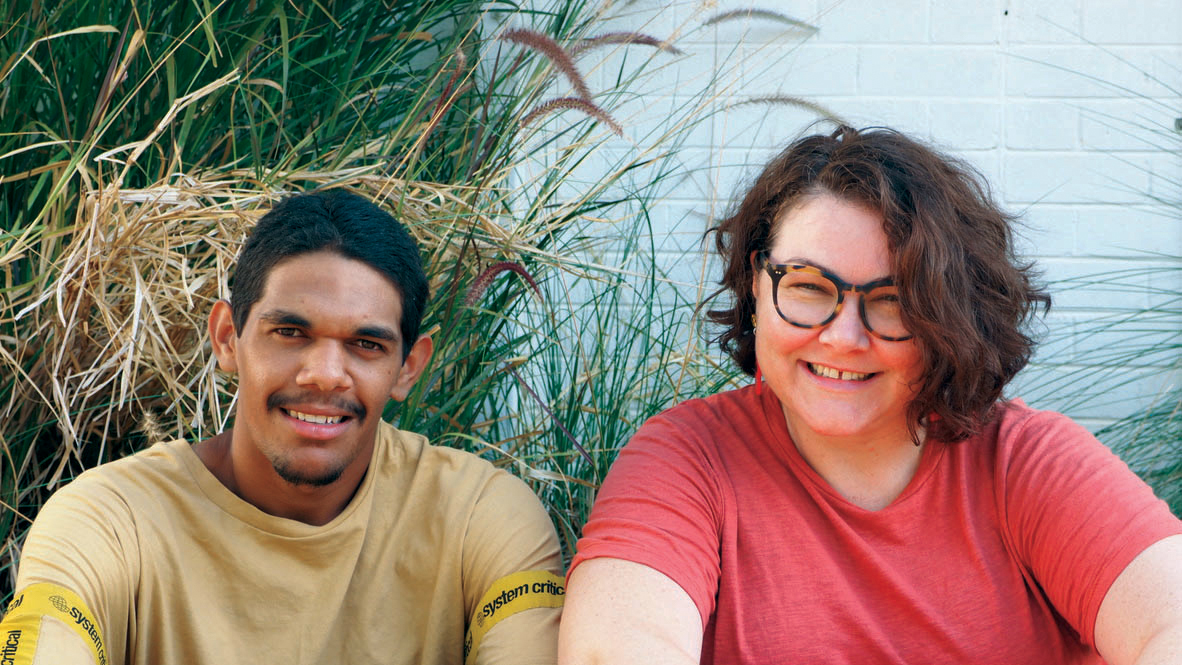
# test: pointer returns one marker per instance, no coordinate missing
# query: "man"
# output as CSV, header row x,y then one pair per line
x,y
312,532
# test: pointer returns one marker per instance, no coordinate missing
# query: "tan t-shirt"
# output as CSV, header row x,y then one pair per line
x,y
153,556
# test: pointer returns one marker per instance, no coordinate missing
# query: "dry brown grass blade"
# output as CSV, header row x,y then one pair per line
x,y
25,55
451,92
31,146
31,173
12,509
17,246
137,148
120,320
418,36
116,73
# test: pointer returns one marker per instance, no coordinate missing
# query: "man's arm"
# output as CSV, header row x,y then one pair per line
x,y
512,578
46,623
73,578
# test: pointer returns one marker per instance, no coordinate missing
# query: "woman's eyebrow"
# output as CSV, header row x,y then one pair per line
x,y
800,260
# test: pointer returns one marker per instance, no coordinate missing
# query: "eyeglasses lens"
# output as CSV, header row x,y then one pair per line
x,y
884,315
809,299
805,298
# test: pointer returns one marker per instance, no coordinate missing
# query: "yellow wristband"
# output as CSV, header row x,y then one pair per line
x,y
21,625
508,596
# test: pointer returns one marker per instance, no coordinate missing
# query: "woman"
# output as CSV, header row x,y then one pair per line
x,y
871,499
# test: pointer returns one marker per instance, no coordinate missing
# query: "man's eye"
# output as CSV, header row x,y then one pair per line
x,y
368,345
287,332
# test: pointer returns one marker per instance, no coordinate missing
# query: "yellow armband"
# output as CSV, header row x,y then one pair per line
x,y
48,611
508,596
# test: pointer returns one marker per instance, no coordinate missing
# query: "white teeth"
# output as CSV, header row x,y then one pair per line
x,y
831,373
319,420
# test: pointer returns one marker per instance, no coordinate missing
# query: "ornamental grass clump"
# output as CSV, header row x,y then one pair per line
x,y
140,141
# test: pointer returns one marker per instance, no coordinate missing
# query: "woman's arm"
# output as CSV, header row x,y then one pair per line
x,y
1140,619
620,612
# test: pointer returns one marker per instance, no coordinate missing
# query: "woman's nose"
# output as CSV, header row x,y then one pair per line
x,y
846,330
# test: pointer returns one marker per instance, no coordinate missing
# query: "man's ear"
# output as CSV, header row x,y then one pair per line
x,y
222,336
412,367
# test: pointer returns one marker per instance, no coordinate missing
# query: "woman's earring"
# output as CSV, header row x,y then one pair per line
x,y
758,373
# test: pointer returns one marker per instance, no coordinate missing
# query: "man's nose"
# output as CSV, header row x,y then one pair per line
x,y
325,367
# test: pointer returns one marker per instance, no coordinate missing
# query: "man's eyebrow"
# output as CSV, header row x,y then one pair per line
x,y
378,332
284,318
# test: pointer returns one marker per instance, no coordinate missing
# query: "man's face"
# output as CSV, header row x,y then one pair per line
x,y
317,360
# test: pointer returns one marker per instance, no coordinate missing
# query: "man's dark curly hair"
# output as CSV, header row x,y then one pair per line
x,y
965,295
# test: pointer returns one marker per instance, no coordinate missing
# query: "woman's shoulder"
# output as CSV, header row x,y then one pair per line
x,y
702,432
1035,452
1016,427
727,407
1025,447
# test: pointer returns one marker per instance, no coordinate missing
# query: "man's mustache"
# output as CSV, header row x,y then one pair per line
x,y
307,399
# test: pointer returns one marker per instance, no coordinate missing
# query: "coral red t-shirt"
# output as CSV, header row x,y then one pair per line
x,y
1000,550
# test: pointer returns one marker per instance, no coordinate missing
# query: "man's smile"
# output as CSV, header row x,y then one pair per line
x,y
320,409
313,418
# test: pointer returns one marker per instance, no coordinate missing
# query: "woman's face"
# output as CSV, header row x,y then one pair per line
x,y
837,381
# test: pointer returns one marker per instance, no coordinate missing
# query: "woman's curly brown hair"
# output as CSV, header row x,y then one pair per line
x,y
965,295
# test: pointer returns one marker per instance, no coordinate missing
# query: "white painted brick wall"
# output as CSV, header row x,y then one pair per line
x,y
1065,105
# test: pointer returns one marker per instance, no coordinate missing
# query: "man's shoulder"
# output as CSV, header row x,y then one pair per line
x,y
89,532
138,474
120,497
410,462
409,449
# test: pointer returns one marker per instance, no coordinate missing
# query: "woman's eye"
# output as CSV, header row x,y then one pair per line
x,y
807,287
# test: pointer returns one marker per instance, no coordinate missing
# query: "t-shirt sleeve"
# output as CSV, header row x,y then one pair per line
x,y
1075,513
513,589
661,506
75,577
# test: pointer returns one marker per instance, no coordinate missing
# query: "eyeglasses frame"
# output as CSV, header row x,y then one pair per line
x,y
776,271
